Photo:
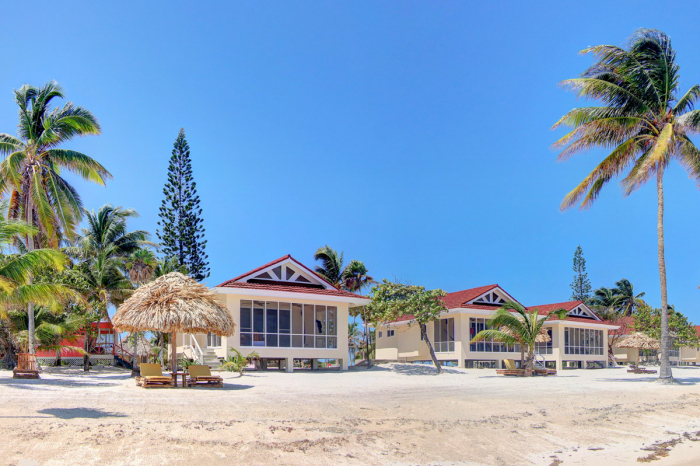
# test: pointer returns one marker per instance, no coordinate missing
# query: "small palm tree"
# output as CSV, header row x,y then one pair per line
x,y
512,324
629,302
606,298
166,265
647,122
355,278
354,339
331,267
58,333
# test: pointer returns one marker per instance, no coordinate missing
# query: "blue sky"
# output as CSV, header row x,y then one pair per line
x,y
414,136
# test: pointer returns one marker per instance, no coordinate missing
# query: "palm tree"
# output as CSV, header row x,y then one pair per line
x,y
354,339
107,232
355,278
58,333
166,265
331,267
606,298
30,171
140,265
512,324
644,119
17,289
627,299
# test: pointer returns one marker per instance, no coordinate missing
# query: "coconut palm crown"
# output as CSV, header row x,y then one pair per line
x,y
645,121
31,170
512,324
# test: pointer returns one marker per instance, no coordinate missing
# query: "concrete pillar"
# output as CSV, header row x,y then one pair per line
x,y
314,364
558,345
460,360
289,365
343,364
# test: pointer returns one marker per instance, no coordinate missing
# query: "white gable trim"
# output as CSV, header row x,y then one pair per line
x,y
496,296
582,311
278,273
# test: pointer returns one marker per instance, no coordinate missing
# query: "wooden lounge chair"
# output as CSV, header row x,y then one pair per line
x,y
640,370
510,369
152,377
200,376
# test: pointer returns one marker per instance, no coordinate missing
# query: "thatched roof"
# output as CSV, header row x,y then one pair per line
x,y
128,344
542,337
640,341
174,303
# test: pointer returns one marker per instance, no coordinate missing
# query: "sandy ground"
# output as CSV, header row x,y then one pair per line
x,y
391,415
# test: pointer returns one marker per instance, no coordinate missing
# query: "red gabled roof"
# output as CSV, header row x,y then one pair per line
x,y
459,298
547,308
288,256
291,289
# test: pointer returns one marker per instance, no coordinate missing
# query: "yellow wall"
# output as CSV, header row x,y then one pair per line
x,y
233,304
406,344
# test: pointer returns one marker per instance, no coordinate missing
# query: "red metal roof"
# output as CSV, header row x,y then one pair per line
x,y
291,289
288,256
459,298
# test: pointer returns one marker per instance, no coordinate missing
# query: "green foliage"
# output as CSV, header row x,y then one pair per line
x,y
237,362
620,299
331,267
581,285
390,301
683,332
182,234
187,362
31,170
512,323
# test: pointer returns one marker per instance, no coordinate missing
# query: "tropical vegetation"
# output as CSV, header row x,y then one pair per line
x,y
645,120
513,324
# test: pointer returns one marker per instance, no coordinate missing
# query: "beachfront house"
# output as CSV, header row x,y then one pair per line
x,y
286,313
579,341
104,349
684,356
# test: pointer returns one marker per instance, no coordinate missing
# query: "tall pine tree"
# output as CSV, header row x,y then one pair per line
x,y
581,286
182,233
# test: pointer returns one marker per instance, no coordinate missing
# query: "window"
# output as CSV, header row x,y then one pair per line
x,y
444,331
288,325
389,333
583,341
213,341
380,334
489,345
545,348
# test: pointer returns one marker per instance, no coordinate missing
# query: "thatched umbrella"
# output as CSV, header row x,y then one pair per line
x,y
639,341
174,303
144,347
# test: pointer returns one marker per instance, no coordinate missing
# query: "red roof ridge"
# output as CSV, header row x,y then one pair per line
x,y
555,306
257,269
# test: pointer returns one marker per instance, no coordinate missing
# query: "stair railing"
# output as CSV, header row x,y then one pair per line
x,y
197,353
539,361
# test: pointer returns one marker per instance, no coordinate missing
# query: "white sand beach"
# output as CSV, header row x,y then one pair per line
x,y
394,414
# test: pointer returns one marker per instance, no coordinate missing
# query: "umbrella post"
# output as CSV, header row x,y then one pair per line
x,y
174,354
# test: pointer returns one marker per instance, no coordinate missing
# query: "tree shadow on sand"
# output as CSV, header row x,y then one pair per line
x,y
415,369
78,413
38,384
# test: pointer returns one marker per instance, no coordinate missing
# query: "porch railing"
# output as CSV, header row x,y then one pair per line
x,y
196,352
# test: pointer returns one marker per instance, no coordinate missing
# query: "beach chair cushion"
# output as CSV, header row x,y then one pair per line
x,y
150,370
510,364
199,371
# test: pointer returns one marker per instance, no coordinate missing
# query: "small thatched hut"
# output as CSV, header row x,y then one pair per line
x,y
639,341
174,303
143,349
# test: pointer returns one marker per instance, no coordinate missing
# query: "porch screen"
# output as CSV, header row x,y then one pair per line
x,y
583,341
444,335
276,324
489,345
545,348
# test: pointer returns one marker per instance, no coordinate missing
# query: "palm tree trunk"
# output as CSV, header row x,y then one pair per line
x,y
135,358
368,353
163,357
665,369
30,306
173,342
424,332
